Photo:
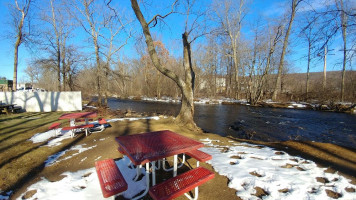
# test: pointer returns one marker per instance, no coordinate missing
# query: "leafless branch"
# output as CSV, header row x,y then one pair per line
x,y
158,16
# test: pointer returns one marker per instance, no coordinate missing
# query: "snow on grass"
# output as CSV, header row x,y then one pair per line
x,y
55,157
84,184
133,119
42,137
249,166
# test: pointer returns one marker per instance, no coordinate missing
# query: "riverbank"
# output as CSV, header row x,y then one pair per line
x,y
346,107
31,169
334,157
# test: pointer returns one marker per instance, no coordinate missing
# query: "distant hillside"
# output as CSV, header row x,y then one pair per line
x,y
295,84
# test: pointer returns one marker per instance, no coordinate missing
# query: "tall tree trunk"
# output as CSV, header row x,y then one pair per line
x,y
58,49
58,65
19,38
308,69
343,27
106,80
186,86
64,65
98,72
236,68
186,113
16,54
277,88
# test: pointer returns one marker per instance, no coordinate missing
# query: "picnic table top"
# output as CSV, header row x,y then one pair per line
x,y
6,105
78,115
152,146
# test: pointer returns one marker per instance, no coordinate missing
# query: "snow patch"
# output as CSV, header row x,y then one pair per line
x,y
262,167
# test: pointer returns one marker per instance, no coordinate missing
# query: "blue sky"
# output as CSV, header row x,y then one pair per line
x,y
170,36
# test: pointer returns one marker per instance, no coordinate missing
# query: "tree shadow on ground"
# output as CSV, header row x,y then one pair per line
x,y
38,168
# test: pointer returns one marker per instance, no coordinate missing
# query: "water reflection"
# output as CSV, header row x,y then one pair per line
x,y
268,124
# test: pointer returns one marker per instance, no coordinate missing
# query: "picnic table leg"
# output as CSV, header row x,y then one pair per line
x,y
164,164
72,133
159,164
147,182
138,172
86,131
153,173
183,161
131,165
72,122
175,165
170,169
196,191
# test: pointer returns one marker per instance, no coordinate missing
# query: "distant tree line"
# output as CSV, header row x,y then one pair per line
x,y
78,45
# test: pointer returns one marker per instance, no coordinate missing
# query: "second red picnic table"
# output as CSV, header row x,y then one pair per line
x,y
83,115
150,147
79,115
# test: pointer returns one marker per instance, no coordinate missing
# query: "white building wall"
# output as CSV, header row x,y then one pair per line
x,y
44,101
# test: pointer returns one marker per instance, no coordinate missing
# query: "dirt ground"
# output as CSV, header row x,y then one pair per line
x,y
334,157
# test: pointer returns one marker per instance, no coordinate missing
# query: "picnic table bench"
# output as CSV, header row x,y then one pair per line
x,y
83,117
82,120
7,108
111,180
199,156
75,128
181,184
55,126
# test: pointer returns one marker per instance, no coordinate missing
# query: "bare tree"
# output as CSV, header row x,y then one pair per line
x,y
343,20
230,15
309,35
57,43
339,18
186,84
261,61
56,39
116,26
92,25
277,88
19,15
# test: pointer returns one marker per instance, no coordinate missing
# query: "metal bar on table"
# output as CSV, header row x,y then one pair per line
x,y
170,169
72,122
195,196
153,173
147,182
175,165
138,172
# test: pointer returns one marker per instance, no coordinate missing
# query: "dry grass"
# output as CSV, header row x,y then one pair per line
x,y
18,156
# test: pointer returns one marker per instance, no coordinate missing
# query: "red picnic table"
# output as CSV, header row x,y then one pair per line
x,y
150,147
80,115
73,116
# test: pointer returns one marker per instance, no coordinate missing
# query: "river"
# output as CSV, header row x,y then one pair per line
x,y
267,124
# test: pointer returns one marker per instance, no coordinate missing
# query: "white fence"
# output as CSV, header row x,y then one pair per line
x,y
44,101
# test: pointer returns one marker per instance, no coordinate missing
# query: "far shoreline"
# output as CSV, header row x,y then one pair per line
x,y
337,107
